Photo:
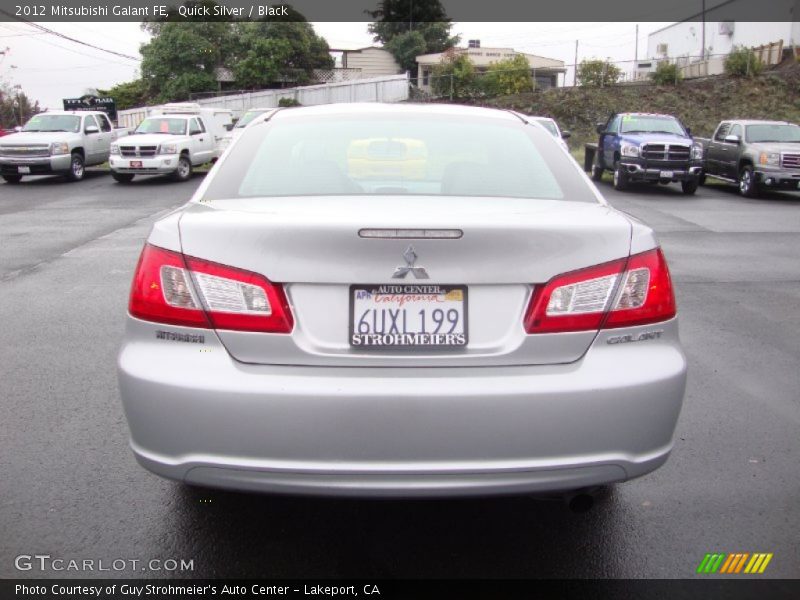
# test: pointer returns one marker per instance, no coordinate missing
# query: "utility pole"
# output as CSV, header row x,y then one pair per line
x,y
636,50
703,34
575,74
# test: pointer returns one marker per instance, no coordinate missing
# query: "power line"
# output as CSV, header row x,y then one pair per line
x,y
70,39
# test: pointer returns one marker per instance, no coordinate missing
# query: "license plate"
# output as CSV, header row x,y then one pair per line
x,y
666,174
23,170
136,164
396,316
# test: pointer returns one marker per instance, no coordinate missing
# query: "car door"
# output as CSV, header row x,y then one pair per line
x,y
715,150
729,153
202,141
94,142
609,141
105,138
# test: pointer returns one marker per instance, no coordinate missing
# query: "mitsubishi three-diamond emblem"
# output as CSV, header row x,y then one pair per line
x,y
410,257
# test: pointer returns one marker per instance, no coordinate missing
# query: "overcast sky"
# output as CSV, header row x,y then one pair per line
x,y
49,68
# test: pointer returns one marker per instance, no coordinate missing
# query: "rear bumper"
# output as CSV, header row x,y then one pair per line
x,y
160,165
40,165
203,418
637,172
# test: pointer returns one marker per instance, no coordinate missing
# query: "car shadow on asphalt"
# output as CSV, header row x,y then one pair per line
x,y
256,535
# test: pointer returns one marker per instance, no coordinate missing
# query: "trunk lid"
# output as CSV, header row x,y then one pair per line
x,y
312,246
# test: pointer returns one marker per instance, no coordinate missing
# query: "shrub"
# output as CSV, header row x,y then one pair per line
x,y
743,62
509,76
455,76
287,102
598,72
666,74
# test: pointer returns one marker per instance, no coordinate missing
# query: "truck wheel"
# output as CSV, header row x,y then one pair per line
x,y
184,170
620,178
748,186
122,177
12,178
77,168
597,172
690,186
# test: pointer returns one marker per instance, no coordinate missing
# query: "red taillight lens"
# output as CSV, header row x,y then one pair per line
x,y
621,293
182,290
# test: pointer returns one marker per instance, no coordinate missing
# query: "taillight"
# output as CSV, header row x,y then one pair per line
x,y
182,290
621,293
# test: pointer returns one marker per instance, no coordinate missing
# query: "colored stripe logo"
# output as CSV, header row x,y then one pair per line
x,y
738,562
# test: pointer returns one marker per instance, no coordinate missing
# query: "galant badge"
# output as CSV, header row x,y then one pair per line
x,y
411,257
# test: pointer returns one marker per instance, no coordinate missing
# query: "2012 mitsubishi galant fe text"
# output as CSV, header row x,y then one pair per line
x,y
403,300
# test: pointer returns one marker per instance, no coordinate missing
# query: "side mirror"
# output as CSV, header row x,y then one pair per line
x,y
228,126
566,135
601,128
91,129
732,139
689,131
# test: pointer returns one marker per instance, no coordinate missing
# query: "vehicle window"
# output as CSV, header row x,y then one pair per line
x,y
550,126
736,130
169,125
45,122
613,127
198,124
722,131
248,117
773,133
650,124
422,155
89,121
105,125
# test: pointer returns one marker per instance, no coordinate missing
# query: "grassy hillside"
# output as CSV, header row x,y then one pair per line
x,y
700,104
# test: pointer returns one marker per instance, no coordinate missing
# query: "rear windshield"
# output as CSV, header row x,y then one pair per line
x,y
650,124
54,123
772,133
346,155
249,116
162,125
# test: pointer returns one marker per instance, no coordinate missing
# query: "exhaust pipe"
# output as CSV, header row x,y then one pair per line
x,y
579,501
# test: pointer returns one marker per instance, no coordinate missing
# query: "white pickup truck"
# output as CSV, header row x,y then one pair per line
x,y
172,140
60,142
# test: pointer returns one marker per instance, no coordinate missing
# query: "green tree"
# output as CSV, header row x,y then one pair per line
x,y
15,107
455,77
398,18
127,95
598,72
508,76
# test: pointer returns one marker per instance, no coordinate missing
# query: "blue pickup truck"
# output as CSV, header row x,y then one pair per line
x,y
643,147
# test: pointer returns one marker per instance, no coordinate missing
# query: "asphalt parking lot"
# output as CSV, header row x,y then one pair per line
x,y
70,488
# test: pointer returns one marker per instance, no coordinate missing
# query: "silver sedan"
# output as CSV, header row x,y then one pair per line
x,y
400,300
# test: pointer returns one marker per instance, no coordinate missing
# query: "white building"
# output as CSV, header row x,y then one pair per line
x,y
684,42
372,61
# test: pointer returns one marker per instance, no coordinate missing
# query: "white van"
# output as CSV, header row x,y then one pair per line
x,y
171,140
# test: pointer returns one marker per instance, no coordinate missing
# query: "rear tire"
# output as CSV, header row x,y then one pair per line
x,y
748,187
12,179
122,177
77,167
620,178
690,187
184,170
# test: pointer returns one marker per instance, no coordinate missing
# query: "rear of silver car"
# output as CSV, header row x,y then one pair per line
x,y
416,316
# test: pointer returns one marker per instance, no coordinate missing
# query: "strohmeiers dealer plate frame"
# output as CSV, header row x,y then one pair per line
x,y
460,340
